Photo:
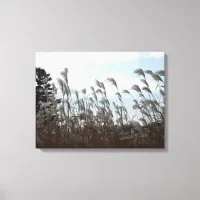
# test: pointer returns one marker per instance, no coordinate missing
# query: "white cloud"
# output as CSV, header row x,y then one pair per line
x,y
85,57
79,63
85,67
89,64
155,55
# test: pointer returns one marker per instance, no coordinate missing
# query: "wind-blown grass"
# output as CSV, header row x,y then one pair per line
x,y
85,118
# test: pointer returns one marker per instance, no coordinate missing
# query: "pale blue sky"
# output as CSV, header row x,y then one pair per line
x,y
85,67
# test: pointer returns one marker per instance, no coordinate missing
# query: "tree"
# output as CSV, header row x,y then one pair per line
x,y
43,87
45,93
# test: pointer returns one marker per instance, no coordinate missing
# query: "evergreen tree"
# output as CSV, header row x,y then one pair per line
x,y
44,90
43,87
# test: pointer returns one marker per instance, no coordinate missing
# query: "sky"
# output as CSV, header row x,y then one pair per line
x,y
85,67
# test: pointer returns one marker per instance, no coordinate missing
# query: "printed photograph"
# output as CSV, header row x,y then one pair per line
x,y
100,99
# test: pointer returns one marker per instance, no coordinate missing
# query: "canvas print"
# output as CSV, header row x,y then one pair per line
x,y
100,99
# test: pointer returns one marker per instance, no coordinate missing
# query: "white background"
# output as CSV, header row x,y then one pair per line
x,y
29,26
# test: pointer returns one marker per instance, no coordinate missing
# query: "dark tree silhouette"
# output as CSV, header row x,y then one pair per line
x,y
43,87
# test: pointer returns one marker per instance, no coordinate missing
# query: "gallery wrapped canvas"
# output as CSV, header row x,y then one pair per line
x,y
100,100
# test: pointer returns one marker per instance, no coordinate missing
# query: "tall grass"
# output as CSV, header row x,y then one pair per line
x,y
85,118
